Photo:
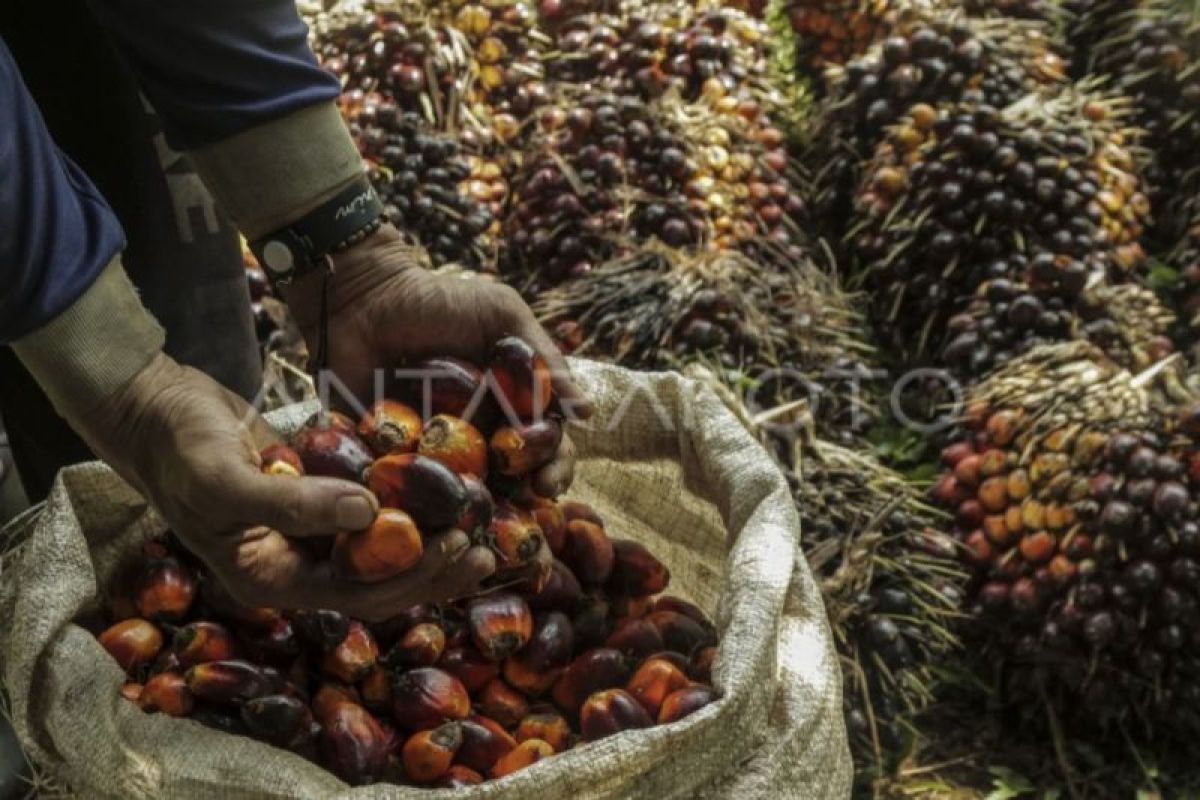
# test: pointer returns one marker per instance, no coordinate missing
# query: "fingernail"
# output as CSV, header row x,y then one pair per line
x,y
354,513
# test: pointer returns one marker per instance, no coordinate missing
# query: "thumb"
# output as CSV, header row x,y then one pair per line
x,y
304,506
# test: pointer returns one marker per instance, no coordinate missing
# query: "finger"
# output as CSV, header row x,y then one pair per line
x,y
265,569
555,478
300,507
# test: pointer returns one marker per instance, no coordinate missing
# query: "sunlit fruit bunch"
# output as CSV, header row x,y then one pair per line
x,y
1041,195
929,58
888,576
429,187
831,32
1073,489
780,334
445,696
1151,50
604,169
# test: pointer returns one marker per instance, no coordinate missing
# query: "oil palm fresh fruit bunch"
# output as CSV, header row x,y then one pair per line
x,y
826,33
1151,51
927,58
1042,194
1072,486
1055,12
604,171
777,334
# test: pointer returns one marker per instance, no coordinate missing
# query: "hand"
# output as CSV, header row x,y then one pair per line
x,y
386,309
192,448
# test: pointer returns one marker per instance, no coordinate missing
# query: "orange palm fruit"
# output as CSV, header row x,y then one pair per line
x,y
281,720
588,552
426,697
279,459
516,537
390,547
472,668
456,443
459,777
390,427
354,745
165,590
421,646
611,711
168,693
653,681
525,448
198,642
500,624
427,490
133,643
484,742
354,658
502,703
549,727
376,689
521,376
551,519
525,754
331,695
428,755
682,702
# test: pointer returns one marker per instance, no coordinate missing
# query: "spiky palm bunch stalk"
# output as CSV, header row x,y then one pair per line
x,y
1038,201
929,58
777,334
1074,488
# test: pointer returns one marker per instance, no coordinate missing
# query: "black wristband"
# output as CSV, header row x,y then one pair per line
x,y
347,218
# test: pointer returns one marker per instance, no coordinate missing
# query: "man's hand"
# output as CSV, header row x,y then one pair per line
x,y
386,309
192,448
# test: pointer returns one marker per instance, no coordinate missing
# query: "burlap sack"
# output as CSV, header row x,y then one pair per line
x,y
666,463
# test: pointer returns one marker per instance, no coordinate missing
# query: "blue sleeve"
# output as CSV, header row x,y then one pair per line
x,y
56,232
214,68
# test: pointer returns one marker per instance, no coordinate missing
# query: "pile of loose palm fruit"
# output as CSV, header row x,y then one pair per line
x,y
943,258
574,642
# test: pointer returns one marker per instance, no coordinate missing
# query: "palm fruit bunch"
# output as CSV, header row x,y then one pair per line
x,y
573,642
1055,12
888,575
1071,484
778,334
1151,50
980,230
926,58
825,33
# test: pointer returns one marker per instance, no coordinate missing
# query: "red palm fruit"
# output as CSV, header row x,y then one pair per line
x,y
588,552
502,703
636,638
527,680
525,754
217,599
550,518
459,777
611,711
525,448
573,510
354,745
654,680
332,453
591,622
448,386
354,658
165,590
681,633
966,471
331,695
426,697
500,624
552,644
593,671
422,646
700,668
480,508
376,689
521,377
389,631
677,604
198,642
484,742
470,666
429,491
456,443
279,459
428,755
562,591
230,682
515,535
166,661
390,547
635,571
549,727
390,427
281,720
168,693
133,643
1038,547
280,645
683,702
323,627
132,691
